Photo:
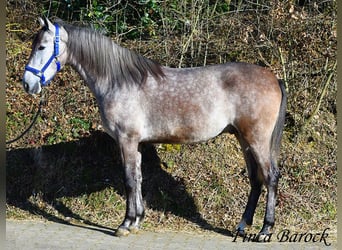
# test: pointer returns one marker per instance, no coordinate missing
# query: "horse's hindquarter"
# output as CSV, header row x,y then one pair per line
x,y
258,100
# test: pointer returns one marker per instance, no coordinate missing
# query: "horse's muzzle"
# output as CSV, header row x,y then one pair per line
x,y
32,88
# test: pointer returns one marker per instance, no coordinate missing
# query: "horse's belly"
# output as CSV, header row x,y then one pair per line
x,y
188,131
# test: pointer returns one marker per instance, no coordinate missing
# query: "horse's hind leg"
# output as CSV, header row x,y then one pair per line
x,y
256,184
262,169
271,176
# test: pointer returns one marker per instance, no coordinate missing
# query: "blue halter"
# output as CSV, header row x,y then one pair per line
x,y
54,56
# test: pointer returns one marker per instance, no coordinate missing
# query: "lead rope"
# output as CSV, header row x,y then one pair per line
x,y
41,102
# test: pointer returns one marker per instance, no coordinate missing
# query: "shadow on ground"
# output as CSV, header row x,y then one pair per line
x,y
88,165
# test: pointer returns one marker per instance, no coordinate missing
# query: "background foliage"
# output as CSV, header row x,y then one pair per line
x,y
65,168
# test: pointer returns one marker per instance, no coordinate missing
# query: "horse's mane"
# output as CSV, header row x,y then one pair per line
x,y
103,58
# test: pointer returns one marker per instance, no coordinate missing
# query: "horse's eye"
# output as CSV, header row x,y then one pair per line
x,y
41,47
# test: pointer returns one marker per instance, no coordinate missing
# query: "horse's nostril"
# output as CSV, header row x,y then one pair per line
x,y
26,87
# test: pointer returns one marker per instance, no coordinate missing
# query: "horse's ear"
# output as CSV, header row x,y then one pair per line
x,y
41,22
45,23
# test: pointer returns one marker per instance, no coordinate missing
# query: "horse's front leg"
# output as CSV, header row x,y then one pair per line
x,y
131,159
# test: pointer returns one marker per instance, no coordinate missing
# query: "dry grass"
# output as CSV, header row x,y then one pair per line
x,y
66,169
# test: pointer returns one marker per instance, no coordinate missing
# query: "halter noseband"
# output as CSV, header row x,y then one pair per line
x,y
54,56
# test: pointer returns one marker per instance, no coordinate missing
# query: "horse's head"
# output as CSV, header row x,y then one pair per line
x,y
47,57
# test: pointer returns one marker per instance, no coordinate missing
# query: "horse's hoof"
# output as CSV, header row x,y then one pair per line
x,y
122,232
265,234
134,230
240,229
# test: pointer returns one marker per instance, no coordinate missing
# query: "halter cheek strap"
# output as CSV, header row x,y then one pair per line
x,y
54,56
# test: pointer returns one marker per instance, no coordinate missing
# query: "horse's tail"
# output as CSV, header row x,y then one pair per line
x,y
279,126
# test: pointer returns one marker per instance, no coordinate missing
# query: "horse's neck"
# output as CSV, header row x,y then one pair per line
x,y
91,80
81,69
